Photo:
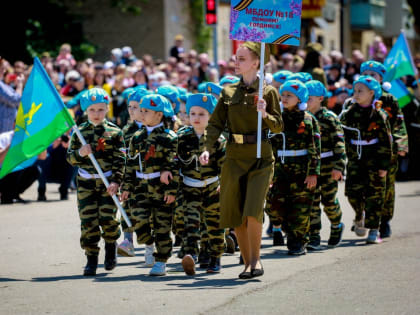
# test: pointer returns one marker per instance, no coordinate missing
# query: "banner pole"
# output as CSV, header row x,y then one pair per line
x,y
260,96
101,174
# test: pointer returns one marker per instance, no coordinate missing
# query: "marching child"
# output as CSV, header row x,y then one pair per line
x,y
400,141
126,248
151,158
297,167
200,185
96,208
369,149
333,159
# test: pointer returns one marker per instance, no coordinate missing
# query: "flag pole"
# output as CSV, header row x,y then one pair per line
x,y
101,174
260,96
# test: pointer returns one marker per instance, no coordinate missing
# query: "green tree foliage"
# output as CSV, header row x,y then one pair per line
x,y
201,32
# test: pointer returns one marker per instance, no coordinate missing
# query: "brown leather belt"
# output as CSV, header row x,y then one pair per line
x,y
246,139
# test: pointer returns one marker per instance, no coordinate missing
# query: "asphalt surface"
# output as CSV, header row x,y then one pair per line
x,y
41,267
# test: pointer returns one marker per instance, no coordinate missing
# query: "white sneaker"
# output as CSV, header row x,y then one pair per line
x,y
373,237
149,259
126,249
159,269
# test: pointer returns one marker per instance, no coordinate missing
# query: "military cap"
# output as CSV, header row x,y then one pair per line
x,y
375,66
75,100
137,94
256,48
228,79
371,84
201,88
281,76
157,103
301,76
93,96
204,100
314,46
316,88
213,88
182,93
341,90
299,89
171,93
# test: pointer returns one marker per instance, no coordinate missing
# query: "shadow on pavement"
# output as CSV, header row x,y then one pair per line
x,y
63,278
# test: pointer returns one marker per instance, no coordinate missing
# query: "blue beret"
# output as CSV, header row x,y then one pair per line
x,y
206,101
93,96
171,93
138,93
341,90
201,88
228,79
299,89
316,88
213,88
375,66
301,76
75,100
281,76
126,93
371,83
157,103
182,93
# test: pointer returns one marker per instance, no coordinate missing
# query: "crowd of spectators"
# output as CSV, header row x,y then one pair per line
x,y
182,68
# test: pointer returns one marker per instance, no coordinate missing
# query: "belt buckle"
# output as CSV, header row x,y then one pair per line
x,y
238,138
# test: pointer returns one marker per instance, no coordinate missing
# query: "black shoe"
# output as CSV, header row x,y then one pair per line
x,y
245,275
64,197
257,272
204,258
214,266
20,200
41,195
295,247
181,253
91,265
110,256
230,245
385,229
314,242
278,239
336,235
178,241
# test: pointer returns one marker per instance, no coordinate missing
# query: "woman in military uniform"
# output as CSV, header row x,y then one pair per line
x,y
244,178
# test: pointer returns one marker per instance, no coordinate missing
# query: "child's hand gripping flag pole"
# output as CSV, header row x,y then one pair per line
x,y
104,179
42,117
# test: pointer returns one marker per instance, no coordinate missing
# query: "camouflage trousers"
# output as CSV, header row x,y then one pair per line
x,y
291,201
325,193
202,210
365,190
389,204
151,210
127,207
97,212
178,225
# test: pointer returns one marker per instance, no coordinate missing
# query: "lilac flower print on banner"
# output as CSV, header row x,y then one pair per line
x,y
249,34
296,8
233,18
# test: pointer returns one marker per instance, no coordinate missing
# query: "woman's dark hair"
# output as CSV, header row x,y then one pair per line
x,y
311,61
167,122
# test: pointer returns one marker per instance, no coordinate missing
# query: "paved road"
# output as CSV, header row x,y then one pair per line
x,y
41,265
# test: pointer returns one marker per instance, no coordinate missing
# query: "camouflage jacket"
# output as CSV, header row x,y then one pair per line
x,y
372,124
107,143
236,110
150,154
301,132
396,120
129,130
332,138
189,149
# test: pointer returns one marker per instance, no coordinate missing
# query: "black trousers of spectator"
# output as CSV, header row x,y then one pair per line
x,y
13,184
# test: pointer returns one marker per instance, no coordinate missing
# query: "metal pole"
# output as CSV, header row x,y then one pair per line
x,y
260,96
101,174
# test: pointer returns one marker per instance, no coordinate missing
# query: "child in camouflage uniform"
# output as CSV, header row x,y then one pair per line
x,y
200,184
297,167
126,248
96,208
151,158
333,160
400,141
369,152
